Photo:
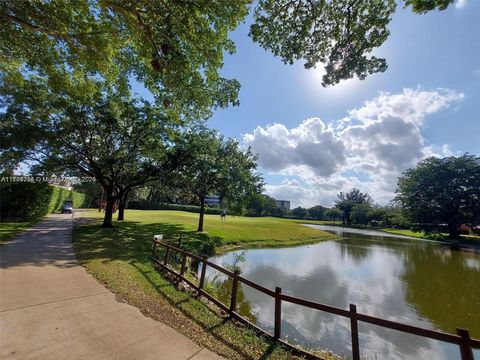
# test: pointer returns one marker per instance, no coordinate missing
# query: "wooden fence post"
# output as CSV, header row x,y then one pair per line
x,y
184,264
167,255
233,297
354,331
278,314
465,349
154,249
177,254
202,276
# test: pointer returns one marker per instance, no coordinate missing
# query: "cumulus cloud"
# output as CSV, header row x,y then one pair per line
x,y
369,148
412,105
311,145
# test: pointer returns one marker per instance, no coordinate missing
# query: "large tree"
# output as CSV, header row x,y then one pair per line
x,y
117,140
442,191
346,202
175,48
338,34
361,213
203,163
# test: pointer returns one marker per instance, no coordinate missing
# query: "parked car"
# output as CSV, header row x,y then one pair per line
x,y
67,207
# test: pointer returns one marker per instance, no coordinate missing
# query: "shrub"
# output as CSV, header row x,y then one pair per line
x,y
149,205
29,201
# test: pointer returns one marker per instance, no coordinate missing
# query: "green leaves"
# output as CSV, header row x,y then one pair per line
x,y
339,34
442,191
174,48
203,163
423,6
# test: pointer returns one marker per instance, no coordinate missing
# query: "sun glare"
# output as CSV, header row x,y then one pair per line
x,y
313,79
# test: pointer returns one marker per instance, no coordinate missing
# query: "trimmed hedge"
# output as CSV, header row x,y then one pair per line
x,y
149,205
29,201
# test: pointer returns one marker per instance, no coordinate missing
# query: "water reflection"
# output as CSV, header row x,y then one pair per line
x,y
410,281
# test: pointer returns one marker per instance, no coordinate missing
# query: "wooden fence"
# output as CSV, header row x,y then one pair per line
x,y
462,338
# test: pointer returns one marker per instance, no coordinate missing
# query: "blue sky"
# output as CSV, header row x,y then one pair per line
x,y
313,142
433,82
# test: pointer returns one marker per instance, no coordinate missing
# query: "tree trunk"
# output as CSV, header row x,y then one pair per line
x,y
453,232
202,213
121,210
122,203
101,202
107,220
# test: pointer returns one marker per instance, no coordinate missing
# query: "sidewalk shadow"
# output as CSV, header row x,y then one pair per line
x,y
47,243
131,241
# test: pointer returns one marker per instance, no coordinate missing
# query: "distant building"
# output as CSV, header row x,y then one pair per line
x,y
283,204
212,201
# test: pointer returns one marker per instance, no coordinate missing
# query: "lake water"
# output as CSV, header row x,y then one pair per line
x,y
410,281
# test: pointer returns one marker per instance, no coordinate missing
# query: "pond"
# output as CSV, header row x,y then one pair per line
x,y
397,278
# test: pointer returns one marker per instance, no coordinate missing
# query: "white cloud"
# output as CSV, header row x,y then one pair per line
x,y
369,149
311,145
411,106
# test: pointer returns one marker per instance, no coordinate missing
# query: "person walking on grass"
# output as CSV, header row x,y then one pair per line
x,y
223,215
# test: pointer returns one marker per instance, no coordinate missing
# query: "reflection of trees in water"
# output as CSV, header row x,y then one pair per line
x,y
220,286
443,286
358,251
327,283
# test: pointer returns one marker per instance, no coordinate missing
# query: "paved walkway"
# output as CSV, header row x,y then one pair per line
x,y
51,308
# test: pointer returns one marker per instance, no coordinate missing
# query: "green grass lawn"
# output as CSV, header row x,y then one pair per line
x,y
440,237
120,258
9,229
221,235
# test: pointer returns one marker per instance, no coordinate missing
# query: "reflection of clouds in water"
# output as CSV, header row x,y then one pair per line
x,y
338,273
472,263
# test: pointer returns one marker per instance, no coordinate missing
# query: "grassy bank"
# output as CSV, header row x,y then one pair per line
x,y
120,258
219,236
9,229
464,239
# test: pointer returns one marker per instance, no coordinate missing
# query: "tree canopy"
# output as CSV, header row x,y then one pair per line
x,y
334,214
203,163
117,140
260,204
175,49
440,191
339,34
346,202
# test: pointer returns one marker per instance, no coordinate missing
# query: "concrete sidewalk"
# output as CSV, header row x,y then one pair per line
x,y
51,308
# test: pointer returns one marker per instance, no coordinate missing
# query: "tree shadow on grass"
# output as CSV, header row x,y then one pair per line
x,y
204,325
129,239
131,242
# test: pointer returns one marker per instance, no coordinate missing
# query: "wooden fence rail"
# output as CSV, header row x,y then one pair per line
x,y
462,338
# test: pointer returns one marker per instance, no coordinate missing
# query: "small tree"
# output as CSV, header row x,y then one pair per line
x,y
442,191
261,205
317,212
300,212
346,202
334,214
202,163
